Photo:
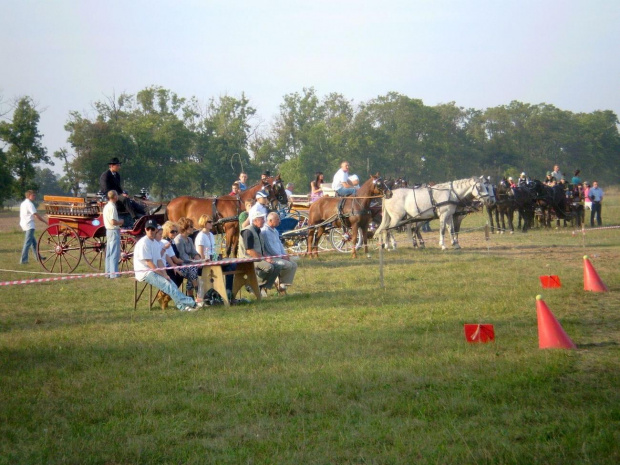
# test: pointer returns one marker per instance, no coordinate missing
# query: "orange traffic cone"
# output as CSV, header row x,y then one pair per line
x,y
591,280
550,332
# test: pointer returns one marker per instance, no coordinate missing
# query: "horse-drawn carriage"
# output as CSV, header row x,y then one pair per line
x,y
294,226
76,231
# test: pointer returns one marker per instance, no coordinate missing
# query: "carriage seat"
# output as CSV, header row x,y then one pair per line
x,y
326,187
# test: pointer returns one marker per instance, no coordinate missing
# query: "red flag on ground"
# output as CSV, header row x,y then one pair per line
x,y
479,333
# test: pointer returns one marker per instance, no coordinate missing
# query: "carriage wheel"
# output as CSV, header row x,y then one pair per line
x,y
341,240
128,242
93,249
60,248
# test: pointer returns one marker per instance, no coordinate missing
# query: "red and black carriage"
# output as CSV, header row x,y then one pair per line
x,y
76,231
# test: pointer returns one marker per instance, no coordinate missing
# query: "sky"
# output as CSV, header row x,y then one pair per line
x,y
67,54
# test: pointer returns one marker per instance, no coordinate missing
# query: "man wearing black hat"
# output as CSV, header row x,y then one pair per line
x,y
110,180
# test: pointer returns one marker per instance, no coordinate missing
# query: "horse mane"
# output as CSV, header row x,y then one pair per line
x,y
364,188
457,182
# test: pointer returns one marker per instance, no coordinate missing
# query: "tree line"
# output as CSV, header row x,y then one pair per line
x,y
175,146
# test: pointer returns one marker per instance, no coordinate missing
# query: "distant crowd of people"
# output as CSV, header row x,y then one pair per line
x,y
590,194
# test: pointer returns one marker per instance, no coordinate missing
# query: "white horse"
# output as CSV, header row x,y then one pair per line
x,y
427,203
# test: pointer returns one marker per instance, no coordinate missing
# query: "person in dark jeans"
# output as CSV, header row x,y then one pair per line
x,y
596,195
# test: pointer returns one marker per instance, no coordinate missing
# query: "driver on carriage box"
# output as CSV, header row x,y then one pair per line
x,y
341,182
110,180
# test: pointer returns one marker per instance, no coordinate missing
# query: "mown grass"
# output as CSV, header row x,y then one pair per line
x,y
340,371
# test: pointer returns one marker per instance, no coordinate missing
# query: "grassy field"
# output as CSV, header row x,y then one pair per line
x,y
339,371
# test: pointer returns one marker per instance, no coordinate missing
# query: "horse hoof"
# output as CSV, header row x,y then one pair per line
x,y
368,255
512,232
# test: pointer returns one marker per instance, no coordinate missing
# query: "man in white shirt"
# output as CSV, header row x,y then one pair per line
x,y
273,246
556,173
147,258
113,235
261,204
341,183
27,214
289,189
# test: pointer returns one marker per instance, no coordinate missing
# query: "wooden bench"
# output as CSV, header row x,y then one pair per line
x,y
214,277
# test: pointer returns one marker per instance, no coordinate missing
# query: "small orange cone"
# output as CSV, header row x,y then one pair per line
x,y
591,280
550,332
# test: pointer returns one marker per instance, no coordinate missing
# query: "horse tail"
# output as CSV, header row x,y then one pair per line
x,y
385,220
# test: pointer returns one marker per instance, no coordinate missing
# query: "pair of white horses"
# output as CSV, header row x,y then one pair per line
x,y
439,201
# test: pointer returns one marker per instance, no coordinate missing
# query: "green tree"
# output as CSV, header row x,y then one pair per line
x,y
47,182
24,145
6,180
70,182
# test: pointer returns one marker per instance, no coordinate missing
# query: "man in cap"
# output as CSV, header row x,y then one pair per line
x,y
261,205
266,270
273,247
147,258
110,180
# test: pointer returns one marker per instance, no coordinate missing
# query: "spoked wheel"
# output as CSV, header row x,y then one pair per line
x,y
341,239
60,248
93,249
128,242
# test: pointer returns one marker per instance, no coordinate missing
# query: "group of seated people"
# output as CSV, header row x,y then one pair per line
x,y
172,246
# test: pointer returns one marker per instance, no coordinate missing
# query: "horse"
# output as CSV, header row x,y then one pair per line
x,y
225,209
376,209
504,207
425,203
351,211
549,198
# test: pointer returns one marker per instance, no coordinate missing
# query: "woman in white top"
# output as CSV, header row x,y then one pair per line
x,y
205,245
205,240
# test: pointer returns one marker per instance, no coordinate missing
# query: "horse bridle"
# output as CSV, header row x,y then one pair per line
x,y
382,186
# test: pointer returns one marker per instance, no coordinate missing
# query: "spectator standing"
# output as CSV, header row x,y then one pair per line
x,y
27,214
315,187
587,203
596,196
113,236
556,174
576,180
273,246
146,263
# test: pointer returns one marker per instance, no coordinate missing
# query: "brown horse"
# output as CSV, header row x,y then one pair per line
x,y
225,209
354,212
